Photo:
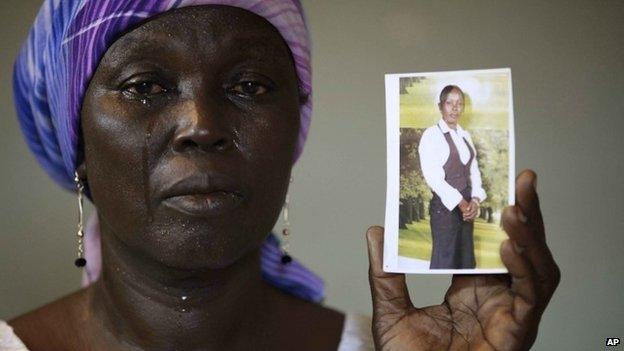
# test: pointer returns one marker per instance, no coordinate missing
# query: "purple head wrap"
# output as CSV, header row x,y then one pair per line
x,y
62,51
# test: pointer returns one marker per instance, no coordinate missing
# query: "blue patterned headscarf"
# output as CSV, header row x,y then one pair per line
x,y
63,50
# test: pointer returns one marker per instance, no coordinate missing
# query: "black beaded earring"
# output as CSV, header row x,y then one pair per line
x,y
286,259
80,261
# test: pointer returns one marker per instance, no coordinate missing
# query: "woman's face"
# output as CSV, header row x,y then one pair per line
x,y
452,108
189,125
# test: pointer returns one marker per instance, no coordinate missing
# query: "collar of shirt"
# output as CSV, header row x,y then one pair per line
x,y
445,128
458,136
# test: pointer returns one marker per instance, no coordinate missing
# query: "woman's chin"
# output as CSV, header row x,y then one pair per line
x,y
200,248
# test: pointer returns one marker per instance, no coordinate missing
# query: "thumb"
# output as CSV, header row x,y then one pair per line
x,y
389,291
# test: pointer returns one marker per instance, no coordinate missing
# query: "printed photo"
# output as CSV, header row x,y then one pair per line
x,y
450,141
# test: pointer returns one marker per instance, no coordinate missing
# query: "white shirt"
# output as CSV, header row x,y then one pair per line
x,y
434,152
356,335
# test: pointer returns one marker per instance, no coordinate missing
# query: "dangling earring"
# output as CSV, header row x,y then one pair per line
x,y
286,259
80,261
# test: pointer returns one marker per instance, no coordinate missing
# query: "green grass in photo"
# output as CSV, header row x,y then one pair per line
x,y
415,242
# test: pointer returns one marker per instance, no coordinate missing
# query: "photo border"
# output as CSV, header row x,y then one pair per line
x,y
393,118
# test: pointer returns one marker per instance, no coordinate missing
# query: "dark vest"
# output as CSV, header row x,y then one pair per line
x,y
456,173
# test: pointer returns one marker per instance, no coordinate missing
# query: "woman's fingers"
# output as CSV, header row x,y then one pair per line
x,y
524,225
471,213
528,202
389,291
470,216
522,282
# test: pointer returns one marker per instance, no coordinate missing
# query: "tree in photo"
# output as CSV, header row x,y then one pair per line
x,y
414,193
493,158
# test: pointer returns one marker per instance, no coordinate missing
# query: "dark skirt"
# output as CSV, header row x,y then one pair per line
x,y
453,245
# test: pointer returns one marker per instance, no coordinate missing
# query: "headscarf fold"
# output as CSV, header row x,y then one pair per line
x,y
58,59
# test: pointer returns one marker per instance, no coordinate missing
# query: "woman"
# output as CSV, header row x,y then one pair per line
x,y
448,160
186,140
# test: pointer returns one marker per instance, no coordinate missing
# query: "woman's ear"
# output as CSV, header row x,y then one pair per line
x,y
81,170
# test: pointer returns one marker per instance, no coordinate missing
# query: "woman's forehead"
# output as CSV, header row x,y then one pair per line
x,y
454,95
210,26
207,19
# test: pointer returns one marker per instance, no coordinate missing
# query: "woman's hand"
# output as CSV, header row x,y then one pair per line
x,y
472,211
464,206
483,312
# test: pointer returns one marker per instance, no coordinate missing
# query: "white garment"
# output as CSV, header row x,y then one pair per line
x,y
356,335
434,152
8,340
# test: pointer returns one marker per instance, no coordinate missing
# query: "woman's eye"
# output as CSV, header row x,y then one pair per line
x,y
250,88
145,89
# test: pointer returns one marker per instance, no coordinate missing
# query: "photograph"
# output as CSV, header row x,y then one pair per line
x,y
450,170
311,175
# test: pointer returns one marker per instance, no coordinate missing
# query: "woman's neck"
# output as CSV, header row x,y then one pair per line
x,y
450,124
141,303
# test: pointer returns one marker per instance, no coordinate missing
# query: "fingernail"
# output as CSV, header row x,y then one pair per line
x,y
521,215
518,249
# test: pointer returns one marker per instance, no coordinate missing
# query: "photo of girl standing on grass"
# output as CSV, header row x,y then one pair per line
x,y
456,158
448,164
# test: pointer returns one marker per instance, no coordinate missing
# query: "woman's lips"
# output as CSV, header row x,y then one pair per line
x,y
202,194
206,204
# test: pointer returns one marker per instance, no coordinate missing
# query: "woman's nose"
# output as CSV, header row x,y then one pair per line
x,y
201,128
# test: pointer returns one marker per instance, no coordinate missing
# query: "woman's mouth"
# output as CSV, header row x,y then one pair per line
x,y
203,195
205,204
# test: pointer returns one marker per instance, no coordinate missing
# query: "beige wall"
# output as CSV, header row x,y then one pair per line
x,y
568,70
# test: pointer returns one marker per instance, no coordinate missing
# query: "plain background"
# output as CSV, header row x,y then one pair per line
x,y
568,79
